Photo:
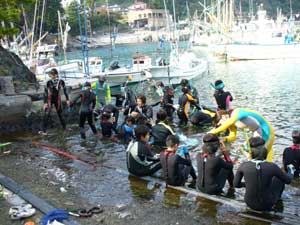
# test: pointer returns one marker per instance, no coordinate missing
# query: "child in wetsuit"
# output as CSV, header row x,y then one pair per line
x,y
141,161
213,171
176,168
291,155
264,181
125,130
107,126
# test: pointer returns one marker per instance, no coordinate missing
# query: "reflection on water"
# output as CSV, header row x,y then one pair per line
x,y
270,87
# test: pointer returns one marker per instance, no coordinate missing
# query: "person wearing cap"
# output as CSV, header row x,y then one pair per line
x,y
184,101
244,118
102,90
52,98
87,105
291,155
222,98
176,168
264,181
213,171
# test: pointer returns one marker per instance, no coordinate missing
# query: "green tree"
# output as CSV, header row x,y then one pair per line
x,y
71,13
10,14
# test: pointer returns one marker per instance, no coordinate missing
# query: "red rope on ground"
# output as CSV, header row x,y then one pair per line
x,y
65,154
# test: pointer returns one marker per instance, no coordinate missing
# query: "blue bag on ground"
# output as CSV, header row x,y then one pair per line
x,y
56,214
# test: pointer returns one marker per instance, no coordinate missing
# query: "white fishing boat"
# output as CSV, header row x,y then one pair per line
x,y
236,52
136,73
184,65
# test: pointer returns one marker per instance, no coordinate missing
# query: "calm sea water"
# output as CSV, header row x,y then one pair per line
x,y
270,87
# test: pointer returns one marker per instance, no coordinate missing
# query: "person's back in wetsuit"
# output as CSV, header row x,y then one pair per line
x,y
212,170
141,161
291,155
111,109
160,131
222,97
264,181
175,168
88,103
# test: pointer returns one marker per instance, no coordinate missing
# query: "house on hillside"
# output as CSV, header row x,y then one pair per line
x,y
140,16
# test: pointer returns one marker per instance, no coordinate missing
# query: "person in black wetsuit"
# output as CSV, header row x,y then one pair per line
x,y
52,98
141,161
129,103
142,110
107,126
222,97
88,103
193,90
113,111
291,155
184,101
264,181
176,169
160,131
213,171
167,102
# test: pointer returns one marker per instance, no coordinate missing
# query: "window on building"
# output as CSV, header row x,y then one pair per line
x,y
145,15
149,15
160,15
140,16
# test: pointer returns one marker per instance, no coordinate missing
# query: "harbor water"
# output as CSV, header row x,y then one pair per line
x,y
269,87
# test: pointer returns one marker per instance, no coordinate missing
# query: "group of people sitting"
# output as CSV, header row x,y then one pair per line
x,y
154,145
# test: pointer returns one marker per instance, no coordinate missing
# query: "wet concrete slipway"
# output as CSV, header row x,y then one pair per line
x,y
270,87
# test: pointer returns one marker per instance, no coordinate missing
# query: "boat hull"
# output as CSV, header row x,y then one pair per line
x,y
174,74
262,52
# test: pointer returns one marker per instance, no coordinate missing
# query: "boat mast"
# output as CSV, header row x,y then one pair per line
x,y
109,28
62,36
32,37
83,39
42,20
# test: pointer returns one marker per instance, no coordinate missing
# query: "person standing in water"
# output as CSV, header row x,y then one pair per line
x,y
52,97
88,103
222,98
102,90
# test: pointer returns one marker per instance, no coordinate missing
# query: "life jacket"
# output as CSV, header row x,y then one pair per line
x,y
103,92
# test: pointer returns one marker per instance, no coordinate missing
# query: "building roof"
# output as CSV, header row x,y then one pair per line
x,y
139,3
